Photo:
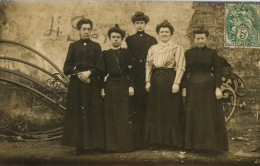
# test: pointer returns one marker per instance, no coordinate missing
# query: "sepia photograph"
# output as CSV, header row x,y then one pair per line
x,y
129,82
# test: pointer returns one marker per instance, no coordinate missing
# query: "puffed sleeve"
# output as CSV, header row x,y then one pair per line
x,y
69,66
129,47
180,64
185,74
99,65
149,65
154,41
127,40
217,69
104,71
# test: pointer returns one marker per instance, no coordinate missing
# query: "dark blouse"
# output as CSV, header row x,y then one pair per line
x,y
139,44
203,60
83,55
118,63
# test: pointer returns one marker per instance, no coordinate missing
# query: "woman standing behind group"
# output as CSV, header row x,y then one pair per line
x,y
139,44
164,70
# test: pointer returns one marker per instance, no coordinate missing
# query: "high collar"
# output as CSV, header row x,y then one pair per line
x,y
115,48
140,33
85,40
202,48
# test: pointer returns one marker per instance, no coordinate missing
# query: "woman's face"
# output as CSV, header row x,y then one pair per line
x,y
200,40
116,39
165,34
140,25
85,31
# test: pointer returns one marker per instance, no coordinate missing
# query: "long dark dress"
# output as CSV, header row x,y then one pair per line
x,y
83,124
139,45
119,124
205,123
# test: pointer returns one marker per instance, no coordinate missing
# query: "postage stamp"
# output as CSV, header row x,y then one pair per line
x,y
242,25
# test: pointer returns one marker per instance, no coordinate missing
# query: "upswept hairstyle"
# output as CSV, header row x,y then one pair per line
x,y
116,29
165,24
84,21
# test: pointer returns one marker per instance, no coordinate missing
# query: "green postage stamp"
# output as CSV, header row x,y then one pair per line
x,y
242,25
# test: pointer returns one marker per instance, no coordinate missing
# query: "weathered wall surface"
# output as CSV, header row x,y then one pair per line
x,y
49,27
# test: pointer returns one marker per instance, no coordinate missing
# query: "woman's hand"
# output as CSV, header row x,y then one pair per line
x,y
131,91
86,73
103,92
175,88
83,76
218,93
184,92
147,86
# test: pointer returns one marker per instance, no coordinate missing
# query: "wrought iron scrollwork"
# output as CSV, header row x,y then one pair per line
x,y
4,122
51,93
232,87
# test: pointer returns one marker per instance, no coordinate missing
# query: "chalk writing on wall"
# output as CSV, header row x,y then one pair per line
x,y
95,36
54,27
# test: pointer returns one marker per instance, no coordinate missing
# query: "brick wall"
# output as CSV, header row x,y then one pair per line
x,y
245,61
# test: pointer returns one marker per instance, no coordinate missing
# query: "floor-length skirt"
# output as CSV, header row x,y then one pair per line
x,y
120,129
83,124
205,124
140,101
163,124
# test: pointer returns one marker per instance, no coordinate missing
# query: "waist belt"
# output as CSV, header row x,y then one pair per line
x,y
163,68
141,60
117,76
83,68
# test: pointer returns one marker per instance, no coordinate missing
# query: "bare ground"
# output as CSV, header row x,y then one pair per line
x,y
244,144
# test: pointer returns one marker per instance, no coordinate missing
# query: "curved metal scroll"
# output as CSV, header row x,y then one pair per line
x,y
35,66
38,53
46,99
52,93
45,88
229,100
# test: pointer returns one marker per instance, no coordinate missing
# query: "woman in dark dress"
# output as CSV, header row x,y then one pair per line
x,y
119,86
205,123
139,44
83,125
164,70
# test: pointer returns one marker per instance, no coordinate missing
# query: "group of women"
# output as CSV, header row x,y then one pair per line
x,y
121,100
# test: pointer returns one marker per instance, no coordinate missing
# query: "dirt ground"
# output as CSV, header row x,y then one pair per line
x,y
244,144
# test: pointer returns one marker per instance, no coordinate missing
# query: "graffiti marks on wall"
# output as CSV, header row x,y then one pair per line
x,y
58,29
54,27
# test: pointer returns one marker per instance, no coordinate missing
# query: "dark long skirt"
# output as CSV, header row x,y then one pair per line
x,y
205,123
163,125
140,101
83,125
119,127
